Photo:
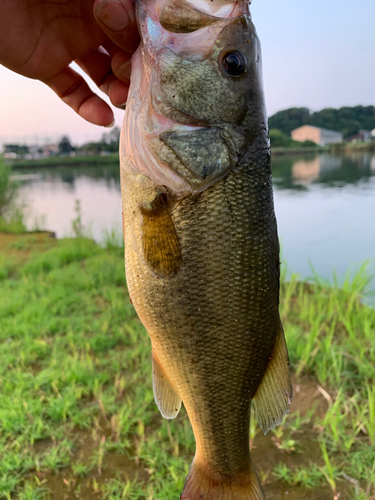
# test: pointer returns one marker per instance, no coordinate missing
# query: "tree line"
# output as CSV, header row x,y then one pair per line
x,y
348,120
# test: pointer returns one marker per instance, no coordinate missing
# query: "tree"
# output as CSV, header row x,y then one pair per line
x,y
289,119
111,140
65,145
347,120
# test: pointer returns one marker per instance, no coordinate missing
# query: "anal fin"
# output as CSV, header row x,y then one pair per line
x,y
166,398
274,394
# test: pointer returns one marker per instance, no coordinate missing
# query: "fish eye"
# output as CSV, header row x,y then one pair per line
x,y
234,63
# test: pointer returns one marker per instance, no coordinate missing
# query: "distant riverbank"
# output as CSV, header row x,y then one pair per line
x,y
348,147
68,161
344,147
296,151
113,158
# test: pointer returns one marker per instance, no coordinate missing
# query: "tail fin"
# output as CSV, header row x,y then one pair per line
x,y
200,485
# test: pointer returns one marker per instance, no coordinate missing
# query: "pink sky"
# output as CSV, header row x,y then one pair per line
x,y
315,54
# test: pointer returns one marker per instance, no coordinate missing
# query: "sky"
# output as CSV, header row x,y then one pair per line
x,y
316,54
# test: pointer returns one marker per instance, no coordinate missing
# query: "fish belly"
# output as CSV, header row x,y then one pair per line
x,y
213,318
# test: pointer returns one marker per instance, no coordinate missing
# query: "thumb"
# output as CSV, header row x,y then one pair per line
x,y
117,20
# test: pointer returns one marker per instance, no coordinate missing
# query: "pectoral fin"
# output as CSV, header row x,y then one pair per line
x,y
274,395
160,244
166,398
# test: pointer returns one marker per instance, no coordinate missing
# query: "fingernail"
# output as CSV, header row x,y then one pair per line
x,y
112,124
125,69
113,14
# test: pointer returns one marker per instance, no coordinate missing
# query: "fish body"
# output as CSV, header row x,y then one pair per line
x,y
201,244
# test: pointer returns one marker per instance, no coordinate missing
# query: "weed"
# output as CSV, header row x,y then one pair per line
x,y
113,239
8,188
77,224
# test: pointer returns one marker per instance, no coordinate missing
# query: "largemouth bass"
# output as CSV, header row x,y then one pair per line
x,y
201,244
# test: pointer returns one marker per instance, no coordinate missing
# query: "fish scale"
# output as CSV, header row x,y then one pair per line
x,y
202,258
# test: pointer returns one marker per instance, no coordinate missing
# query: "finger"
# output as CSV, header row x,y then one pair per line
x,y
118,93
98,67
120,61
121,66
110,47
74,91
117,20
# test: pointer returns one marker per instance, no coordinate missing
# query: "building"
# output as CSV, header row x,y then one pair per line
x,y
320,136
50,149
362,136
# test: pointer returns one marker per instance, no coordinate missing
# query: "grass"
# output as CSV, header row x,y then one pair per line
x,y
277,151
350,147
77,414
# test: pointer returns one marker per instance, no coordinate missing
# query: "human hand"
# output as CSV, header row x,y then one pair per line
x,y
40,38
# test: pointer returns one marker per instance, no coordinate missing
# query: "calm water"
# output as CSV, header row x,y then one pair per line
x,y
325,206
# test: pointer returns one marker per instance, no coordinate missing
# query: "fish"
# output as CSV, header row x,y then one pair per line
x,y
202,252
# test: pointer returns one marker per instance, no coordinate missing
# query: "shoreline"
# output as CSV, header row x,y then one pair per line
x,y
114,158
68,161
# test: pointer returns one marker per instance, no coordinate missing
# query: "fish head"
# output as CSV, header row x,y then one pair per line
x,y
200,97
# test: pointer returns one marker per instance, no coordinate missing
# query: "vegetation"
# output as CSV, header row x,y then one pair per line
x,y
109,142
11,216
7,188
281,140
349,147
346,120
77,414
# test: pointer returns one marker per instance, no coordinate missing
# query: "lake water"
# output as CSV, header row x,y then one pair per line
x,y
325,207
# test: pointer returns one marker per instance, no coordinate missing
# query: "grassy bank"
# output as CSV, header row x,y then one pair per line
x,y
68,161
77,414
296,151
113,159
348,147
97,160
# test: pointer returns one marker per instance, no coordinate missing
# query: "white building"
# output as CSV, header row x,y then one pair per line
x,y
320,136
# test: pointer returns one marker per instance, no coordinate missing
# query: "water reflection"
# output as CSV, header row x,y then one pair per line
x,y
50,195
293,172
70,175
324,206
